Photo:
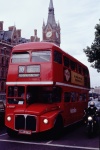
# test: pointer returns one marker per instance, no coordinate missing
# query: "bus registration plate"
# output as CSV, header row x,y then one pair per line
x,y
28,132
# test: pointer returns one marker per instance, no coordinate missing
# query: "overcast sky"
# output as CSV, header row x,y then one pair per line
x,y
77,20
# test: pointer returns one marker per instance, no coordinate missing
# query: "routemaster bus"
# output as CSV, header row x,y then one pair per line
x,y
46,89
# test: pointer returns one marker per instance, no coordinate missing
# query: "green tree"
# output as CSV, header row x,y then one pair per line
x,y
93,52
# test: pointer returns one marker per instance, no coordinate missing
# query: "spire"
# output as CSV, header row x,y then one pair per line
x,y
51,4
51,16
43,24
58,24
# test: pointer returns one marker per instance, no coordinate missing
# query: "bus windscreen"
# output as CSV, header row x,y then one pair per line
x,y
20,57
41,56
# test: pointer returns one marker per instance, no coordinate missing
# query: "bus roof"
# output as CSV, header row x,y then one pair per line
x,y
43,45
34,45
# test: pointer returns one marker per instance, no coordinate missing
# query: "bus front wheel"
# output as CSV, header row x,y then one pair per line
x,y
11,133
58,128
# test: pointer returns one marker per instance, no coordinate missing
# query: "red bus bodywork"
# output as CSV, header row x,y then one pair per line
x,y
57,84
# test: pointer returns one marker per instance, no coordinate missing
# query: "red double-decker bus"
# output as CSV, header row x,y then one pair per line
x,y
46,89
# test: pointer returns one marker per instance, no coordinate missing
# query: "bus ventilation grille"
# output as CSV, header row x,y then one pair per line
x,y
25,122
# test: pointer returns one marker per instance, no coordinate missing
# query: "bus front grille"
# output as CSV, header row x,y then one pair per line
x,y
25,122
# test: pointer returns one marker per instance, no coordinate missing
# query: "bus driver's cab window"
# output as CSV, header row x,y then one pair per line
x,y
14,94
42,95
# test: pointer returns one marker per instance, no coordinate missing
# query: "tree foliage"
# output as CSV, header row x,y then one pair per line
x,y
93,52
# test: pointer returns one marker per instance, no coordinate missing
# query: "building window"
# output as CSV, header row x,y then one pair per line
x,y
7,61
2,60
2,86
2,51
2,72
7,52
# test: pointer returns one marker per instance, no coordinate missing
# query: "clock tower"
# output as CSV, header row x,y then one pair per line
x,y
51,31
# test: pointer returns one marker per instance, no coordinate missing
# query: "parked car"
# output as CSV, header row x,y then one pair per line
x,y
2,112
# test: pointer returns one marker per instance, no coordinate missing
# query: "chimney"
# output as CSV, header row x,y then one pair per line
x,y
1,25
19,32
11,28
35,32
32,38
35,38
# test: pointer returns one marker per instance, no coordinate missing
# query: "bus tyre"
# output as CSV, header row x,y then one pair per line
x,y
11,133
57,129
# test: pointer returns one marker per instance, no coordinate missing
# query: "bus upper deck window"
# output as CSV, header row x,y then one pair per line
x,y
66,61
57,57
20,57
72,65
86,72
41,56
79,69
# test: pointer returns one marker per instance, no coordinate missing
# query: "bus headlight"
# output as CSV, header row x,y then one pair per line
x,y
8,118
89,118
45,121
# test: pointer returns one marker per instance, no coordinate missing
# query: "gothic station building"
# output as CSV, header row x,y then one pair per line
x,y
51,31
